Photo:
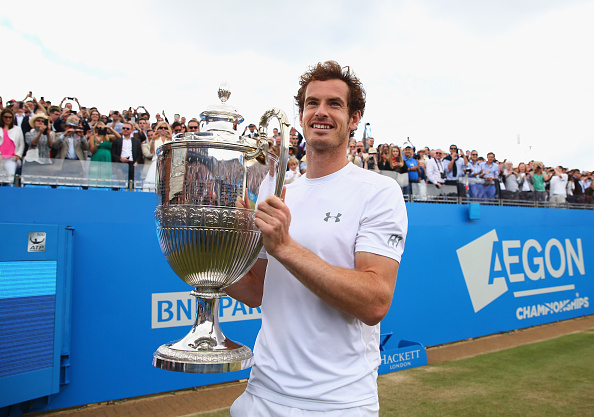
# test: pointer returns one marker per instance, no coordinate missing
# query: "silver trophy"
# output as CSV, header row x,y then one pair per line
x,y
209,242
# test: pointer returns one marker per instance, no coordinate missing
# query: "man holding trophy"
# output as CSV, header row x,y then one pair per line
x,y
333,243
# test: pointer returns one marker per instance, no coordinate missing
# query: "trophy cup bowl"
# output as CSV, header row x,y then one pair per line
x,y
208,240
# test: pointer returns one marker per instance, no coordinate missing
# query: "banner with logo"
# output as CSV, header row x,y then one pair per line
x,y
513,268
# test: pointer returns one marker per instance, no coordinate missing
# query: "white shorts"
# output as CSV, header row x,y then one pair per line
x,y
248,405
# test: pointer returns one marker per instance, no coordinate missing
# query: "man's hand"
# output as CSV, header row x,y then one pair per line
x,y
273,218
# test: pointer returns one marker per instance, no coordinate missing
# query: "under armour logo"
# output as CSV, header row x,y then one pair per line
x,y
394,240
336,218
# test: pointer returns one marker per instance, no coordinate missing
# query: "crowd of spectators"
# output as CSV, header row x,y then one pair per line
x,y
472,175
40,132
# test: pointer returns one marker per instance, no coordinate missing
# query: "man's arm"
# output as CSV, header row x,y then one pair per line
x,y
249,289
364,292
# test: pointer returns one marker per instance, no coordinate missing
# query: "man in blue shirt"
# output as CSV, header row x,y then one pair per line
x,y
490,175
413,167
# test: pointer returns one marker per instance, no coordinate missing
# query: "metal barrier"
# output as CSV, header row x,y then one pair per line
x,y
58,173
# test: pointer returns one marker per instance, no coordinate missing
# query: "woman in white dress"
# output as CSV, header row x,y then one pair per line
x,y
162,135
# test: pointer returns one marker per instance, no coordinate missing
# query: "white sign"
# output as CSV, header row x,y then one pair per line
x,y
173,309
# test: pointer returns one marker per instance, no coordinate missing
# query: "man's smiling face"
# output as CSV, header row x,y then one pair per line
x,y
325,117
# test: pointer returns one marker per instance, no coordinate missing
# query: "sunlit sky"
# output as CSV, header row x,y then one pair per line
x,y
515,77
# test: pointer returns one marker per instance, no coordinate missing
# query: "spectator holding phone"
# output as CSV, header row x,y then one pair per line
x,y
72,144
358,156
40,140
100,141
558,185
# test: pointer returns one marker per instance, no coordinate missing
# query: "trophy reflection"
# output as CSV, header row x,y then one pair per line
x,y
209,242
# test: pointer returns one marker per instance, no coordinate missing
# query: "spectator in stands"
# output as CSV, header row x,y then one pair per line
x,y
512,182
60,123
54,115
141,130
193,126
72,144
412,165
539,176
21,119
101,137
146,146
294,145
474,172
177,128
577,195
116,122
435,170
12,143
384,162
454,165
372,163
40,139
490,174
358,156
586,180
524,183
589,193
293,172
369,143
558,185
127,150
253,132
94,117
162,135
398,164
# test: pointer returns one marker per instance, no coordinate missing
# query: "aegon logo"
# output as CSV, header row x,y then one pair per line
x,y
487,280
172,309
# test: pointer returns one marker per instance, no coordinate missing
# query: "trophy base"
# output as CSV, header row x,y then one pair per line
x,y
205,349
204,361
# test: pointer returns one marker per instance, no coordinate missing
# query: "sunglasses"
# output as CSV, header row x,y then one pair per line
x,y
126,128
437,153
161,128
192,127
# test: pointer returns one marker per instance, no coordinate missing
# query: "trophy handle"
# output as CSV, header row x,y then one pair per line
x,y
284,149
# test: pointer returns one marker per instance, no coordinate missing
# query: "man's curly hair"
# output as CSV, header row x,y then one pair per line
x,y
331,70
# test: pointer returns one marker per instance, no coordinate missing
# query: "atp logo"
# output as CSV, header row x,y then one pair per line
x,y
491,266
336,218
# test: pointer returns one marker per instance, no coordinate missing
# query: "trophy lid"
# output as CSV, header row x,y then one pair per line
x,y
221,116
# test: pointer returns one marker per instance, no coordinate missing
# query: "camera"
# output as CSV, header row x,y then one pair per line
x,y
358,150
46,122
443,175
102,131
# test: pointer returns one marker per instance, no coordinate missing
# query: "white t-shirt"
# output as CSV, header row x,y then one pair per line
x,y
309,355
558,185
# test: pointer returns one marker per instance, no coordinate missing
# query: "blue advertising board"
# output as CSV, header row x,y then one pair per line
x,y
504,269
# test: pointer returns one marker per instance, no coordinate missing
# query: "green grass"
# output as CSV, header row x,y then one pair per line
x,y
552,378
